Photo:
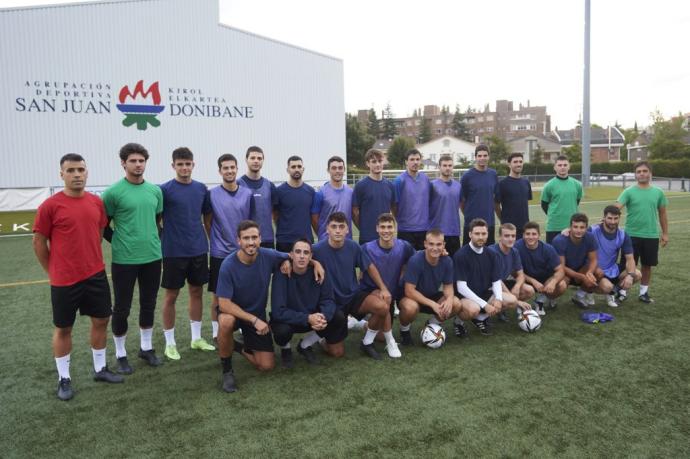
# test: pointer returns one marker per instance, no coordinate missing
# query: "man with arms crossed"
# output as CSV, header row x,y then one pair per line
x,y
292,207
478,193
262,191
134,206
412,189
185,249
542,266
333,196
646,206
513,196
67,242
428,281
444,208
373,196
299,304
559,198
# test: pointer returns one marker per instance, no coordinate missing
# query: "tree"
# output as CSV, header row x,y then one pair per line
x,y
390,130
670,140
459,126
425,130
373,126
357,140
573,152
498,148
397,150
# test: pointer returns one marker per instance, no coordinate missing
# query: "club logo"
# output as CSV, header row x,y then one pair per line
x,y
144,107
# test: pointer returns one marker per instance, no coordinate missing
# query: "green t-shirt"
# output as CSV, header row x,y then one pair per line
x,y
562,196
133,209
642,206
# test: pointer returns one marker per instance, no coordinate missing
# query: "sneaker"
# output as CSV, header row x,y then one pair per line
x,y
502,317
171,352
406,338
370,350
150,357
64,389
589,299
539,307
396,311
483,326
202,345
460,330
611,301
645,298
123,366
393,350
286,358
105,375
308,354
621,295
229,382
579,302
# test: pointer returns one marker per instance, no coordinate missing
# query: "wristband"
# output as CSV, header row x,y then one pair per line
x,y
630,275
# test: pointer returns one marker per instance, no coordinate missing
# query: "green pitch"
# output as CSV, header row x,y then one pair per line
x,y
572,389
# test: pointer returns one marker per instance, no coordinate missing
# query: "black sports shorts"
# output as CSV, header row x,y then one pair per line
x,y
178,269
91,297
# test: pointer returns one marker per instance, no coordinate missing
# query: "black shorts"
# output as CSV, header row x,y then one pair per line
x,y
178,269
353,307
284,247
415,238
252,340
452,244
426,309
335,332
90,296
214,272
646,250
268,245
510,283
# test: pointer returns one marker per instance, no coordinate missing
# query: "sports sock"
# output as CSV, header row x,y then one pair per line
x,y
541,298
622,292
287,346
389,337
169,337
482,316
434,320
226,362
458,320
196,329
120,350
369,336
146,334
309,339
405,328
214,326
62,364
580,293
643,289
98,359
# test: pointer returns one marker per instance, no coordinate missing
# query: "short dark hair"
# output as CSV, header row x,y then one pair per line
x,y
334,159
611,209
579,217
434,232
253,149
338,217
561,158
302,239
71,157
481,147
371,154
643,163
531,225
386,217
506,226
131,149
226,157
294,158
245,225
478,222
444,158
411,152
182,153
515,155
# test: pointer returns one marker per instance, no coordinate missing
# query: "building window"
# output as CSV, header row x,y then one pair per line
x,y
489,129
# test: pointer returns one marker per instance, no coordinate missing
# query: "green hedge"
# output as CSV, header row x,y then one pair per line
x,y
661,168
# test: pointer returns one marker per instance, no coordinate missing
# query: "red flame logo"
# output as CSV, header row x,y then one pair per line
x,y
139,91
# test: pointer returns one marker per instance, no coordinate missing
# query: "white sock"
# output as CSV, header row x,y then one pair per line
x,y
169,338
404,328
362,323
369,336
580,293
62,364
643,289
196,329
146,334
287,346
309,339
434,320
214,326
482,316
541,298
98,359
623,292
389,337
120,350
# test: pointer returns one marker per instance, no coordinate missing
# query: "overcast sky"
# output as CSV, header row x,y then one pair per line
x,y
413,53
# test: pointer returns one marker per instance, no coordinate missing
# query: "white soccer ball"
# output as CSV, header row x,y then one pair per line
x,y
433,336
529,321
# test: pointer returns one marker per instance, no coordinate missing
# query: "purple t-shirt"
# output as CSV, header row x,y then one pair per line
x,y
444,209
183,206
262,212
510,262
479,192
329,200
575,254
412,198
389,262
610,244
229,209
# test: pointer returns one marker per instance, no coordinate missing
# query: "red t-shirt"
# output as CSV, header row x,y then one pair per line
x,y
73,227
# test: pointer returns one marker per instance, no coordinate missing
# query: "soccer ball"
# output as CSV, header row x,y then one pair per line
x,y
529,321
433,336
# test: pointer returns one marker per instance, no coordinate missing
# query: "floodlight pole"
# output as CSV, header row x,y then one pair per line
x,y
586,127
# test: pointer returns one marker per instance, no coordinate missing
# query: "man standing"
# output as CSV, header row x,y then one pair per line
x,y
514,194
299,304
445,205
262,191
478,193
291,207
340,258
373,196
67,242
646,205
134,206
412,192
231,203
333,196
185,249
543,268
559,198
